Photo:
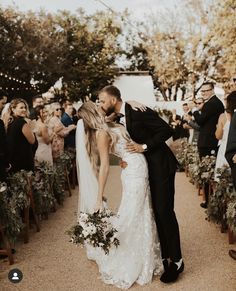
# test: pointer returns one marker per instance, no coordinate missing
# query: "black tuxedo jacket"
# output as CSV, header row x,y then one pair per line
x,y
148,128
207,121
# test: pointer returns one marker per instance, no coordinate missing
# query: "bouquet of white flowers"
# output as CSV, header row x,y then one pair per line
x,y
95,229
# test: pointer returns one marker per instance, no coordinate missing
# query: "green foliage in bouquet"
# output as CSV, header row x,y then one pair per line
x,y
219,199
95,229
42,186
231,215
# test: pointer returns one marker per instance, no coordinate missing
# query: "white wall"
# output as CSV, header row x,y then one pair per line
x,y
139,88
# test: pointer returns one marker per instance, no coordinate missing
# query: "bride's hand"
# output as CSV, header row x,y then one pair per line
x,y
98,206
137,106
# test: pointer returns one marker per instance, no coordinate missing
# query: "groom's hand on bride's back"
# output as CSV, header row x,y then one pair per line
x,y
137,105
123,164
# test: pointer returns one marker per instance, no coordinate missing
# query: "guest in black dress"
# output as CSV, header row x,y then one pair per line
x,y
20,137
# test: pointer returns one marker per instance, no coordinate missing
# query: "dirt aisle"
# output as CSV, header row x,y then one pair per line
x,y
50,263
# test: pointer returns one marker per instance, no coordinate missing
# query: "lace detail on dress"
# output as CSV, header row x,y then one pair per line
x,y
138,257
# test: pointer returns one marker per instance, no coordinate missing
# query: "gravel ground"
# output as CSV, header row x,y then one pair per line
x,y
49,262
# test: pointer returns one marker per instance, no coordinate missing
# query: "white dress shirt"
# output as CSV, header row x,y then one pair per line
x,y
122,111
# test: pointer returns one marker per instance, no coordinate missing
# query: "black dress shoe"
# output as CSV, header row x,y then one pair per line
x,y
172,274
165,264
203,205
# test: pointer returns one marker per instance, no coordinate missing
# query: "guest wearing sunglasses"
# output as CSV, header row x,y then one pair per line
x,y
207,118
59,130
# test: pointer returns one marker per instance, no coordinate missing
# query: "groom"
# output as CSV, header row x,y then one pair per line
x,y
150,132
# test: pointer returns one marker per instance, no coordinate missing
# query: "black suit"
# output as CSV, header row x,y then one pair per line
x,y
207,120
231,148
148,128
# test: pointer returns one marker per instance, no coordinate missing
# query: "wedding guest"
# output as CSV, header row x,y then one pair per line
x,y
207,118
185,129
20,137
175,123
36,101
230,154
191,123
44,137
222,131
59,130
67,119
4,164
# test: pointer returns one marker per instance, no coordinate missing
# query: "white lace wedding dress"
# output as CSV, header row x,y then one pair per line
x,y
138,257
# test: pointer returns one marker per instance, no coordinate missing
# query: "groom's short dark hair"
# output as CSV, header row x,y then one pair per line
x,y
113,91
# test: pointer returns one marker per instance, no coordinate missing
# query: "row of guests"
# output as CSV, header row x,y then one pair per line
x,y
207,121
184,126
25,141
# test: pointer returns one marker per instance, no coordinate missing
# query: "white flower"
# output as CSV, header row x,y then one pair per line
x,y
83,217
85,233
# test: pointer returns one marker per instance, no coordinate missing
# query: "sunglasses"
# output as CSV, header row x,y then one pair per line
x,y
202,91
57,109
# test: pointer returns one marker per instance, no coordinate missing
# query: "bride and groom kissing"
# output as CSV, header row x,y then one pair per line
x,y
146,224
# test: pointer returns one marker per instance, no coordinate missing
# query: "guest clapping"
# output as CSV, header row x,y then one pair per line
x,y
59,130
44,136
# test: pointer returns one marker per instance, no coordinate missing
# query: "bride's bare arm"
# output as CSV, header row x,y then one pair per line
x,y
103,142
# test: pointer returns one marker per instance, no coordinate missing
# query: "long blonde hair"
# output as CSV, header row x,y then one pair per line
x,y
9,115
93,122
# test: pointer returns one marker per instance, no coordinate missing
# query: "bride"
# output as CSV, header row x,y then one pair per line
x,y
138,257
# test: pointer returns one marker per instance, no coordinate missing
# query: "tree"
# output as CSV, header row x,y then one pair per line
x,y
42,47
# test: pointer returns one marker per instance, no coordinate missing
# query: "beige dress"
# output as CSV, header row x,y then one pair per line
x,y
44,151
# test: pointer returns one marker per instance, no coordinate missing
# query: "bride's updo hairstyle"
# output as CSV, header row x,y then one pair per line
x,y
93,122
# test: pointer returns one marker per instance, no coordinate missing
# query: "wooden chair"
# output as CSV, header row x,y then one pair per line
x,y
27,211
74,174
6,246
231,237
68,186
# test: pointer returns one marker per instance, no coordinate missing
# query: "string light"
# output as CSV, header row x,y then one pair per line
x,y
4,75
16,80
